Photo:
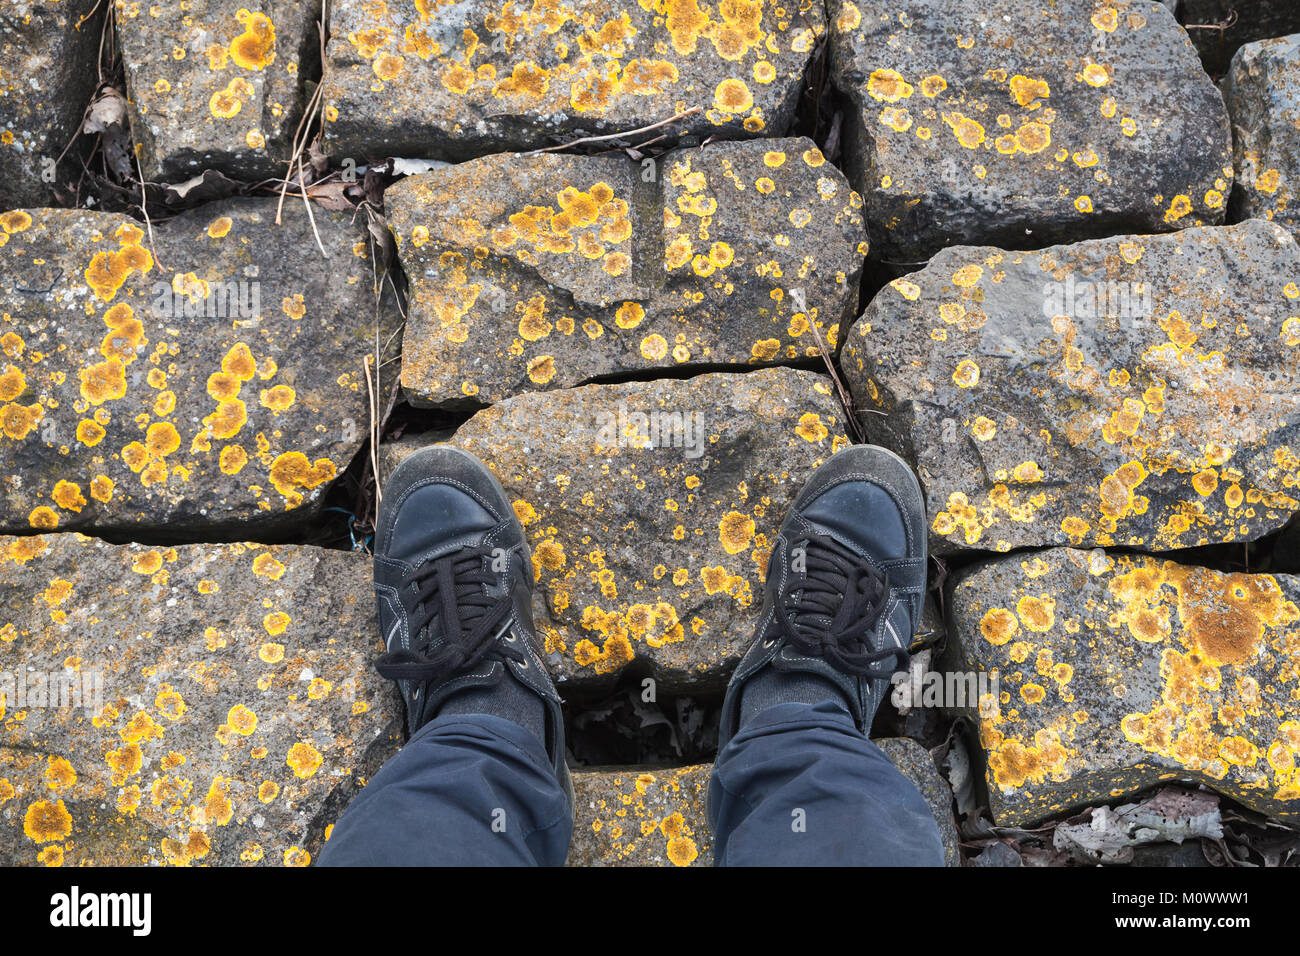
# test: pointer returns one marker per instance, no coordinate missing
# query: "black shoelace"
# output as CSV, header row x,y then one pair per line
x,y
449,592
830,609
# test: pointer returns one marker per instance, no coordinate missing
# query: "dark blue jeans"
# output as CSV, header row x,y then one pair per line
x,y
799,785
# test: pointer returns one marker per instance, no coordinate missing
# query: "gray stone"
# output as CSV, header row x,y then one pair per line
x,y
47,75
653,816
1117,672
216,84
208,380
226,709
1262,91
546,271
457,80
1021,124
1138,391
650,544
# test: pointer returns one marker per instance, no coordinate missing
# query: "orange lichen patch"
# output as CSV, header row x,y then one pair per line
x,y
67,495
279,398
541,369
15,221
47,822
124,763
254,49
103,382
266,566
733,96
968,132
241,720
1033,137
304,760
147,563
276,623
217,806
12,384
170,703
616,653
43,517
108,271
1026,91
810,428
888,86
1013,763
999,625
219,227
1179,207
270,653
1036,613
967,374
735,531
17,421
51,856
239,362
296,857
292,471
268,791
59,774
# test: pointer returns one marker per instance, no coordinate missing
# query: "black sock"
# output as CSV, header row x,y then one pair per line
x,y
508,699
771,686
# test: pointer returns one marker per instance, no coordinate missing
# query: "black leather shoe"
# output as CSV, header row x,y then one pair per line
x,y
845,583
454,583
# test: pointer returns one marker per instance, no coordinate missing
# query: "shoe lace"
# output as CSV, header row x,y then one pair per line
x,y
449,592
830,610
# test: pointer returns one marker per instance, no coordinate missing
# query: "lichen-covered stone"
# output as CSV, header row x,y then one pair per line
x,y
1017,124
658,816
1220,27
208,379
226,714
1138,391
536,272
641,817
655,554
456,80
47,74
918,766
1262,92
1117,672
216,84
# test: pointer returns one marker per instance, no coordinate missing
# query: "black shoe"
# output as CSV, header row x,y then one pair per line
x,y
845,585
454,583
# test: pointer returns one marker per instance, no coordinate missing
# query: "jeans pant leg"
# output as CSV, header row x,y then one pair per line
x,y
467,790
799,785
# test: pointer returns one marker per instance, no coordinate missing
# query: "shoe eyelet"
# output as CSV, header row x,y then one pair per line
x,y
523,665
416,694
510,638
767,644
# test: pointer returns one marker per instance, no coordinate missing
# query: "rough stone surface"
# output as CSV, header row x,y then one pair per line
x,y
1118,672
1255,20
918,766
216,84
647,554
1262,91
532,272
239,712
47,74
1021,124
118,410
456,80
658,817
1167,421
